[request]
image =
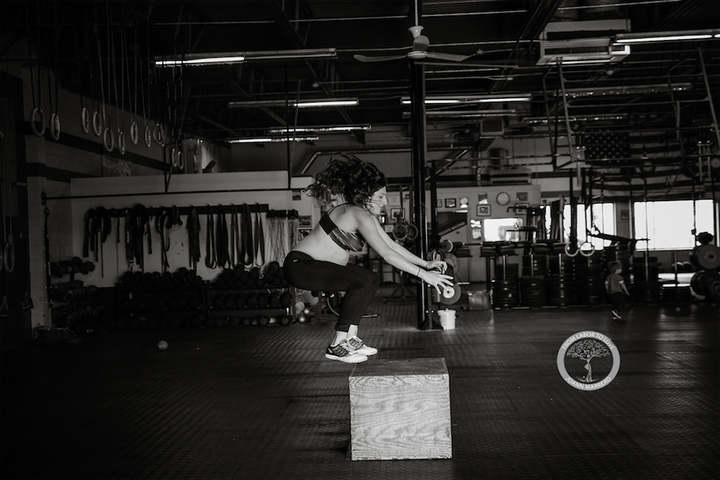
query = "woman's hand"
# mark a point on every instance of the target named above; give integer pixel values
(437, 265)
(438, 280)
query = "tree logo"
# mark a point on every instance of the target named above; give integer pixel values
(586, 347)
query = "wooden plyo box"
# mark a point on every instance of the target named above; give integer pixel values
(400, 409)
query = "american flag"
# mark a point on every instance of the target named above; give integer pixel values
(607, 145)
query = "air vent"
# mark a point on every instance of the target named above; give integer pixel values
(583, 42)
(586, 50)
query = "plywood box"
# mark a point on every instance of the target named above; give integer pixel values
(400, 409)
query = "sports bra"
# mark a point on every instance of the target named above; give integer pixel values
(350, 241)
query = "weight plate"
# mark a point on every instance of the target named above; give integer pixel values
(712, 287)
(706, 257)
(450, 295)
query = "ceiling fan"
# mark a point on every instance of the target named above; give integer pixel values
(419, 51)
(419, 48)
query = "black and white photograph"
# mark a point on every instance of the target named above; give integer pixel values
(366, 240)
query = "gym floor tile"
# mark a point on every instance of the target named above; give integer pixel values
(264, 403)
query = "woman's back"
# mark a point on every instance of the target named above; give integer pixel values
(324, 242)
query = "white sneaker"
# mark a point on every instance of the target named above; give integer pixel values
(343, 352)
(359, 346)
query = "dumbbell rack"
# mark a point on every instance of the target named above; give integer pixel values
(70, 300)
(250, 298)
(148, 300)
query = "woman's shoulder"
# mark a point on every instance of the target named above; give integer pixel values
(353, 213)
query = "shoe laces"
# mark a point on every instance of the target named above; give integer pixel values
(355, 342)
(342, 349)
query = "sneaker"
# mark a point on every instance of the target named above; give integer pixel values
(616, 315)
(343, 352)
(359, 346)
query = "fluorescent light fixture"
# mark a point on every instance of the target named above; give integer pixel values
(575, 119)
(466, 113)
(335, 128)
(658, 37)
(320, 103)
(272, 139)
(624, 90)
(199, 61)
(229, 58)
(300, 54)
(469, 99)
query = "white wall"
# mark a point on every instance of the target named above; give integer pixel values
(232, 188)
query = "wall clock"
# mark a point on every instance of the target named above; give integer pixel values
(503, 198)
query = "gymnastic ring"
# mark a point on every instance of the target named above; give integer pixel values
(108, 140)
(134, 132)
(85, 120)
(41, 118)
(148, 137)
(412, 231)
(97, 123)
(181, 160)
(592, 249)
(9, 257)
(159, 134)
(121, 142)
(567, 251)
(399, 232)
(55, 126)
(173, 157)
(436, 255)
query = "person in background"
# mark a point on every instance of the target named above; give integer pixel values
(320, 260)
(616, 289)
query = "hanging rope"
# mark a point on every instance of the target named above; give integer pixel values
(112, 62)
(100, 116)
(121, 103)
(133, 123)
(37, 116)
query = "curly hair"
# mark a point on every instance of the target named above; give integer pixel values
(350, 177)
(614, 266)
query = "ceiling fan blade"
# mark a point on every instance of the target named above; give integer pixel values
(450, 57)
(387, 58)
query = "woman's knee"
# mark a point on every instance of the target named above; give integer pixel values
(368, 281)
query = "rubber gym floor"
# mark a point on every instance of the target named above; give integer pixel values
(263, 402)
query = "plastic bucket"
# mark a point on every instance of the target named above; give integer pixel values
(447, 319)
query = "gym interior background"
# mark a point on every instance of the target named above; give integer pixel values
(527, 142)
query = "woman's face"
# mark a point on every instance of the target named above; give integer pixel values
(377, 202)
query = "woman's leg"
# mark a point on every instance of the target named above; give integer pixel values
(358, 283)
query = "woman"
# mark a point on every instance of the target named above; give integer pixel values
(320, 261)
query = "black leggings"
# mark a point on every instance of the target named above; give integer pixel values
(359, 284)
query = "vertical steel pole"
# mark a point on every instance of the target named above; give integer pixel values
(419, 154)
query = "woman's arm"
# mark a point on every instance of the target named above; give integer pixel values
(408, 255)
(370, 229)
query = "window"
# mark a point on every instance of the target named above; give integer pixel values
(503, 230)
(603, 218)
(669, 225)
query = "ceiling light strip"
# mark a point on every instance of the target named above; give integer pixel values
(319, 129)
(470, 99)
(271, 139)
(624, 90)
(659, 37)
(319, 103)
(230, 58)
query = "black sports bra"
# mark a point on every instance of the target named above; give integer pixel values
(350, 241)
